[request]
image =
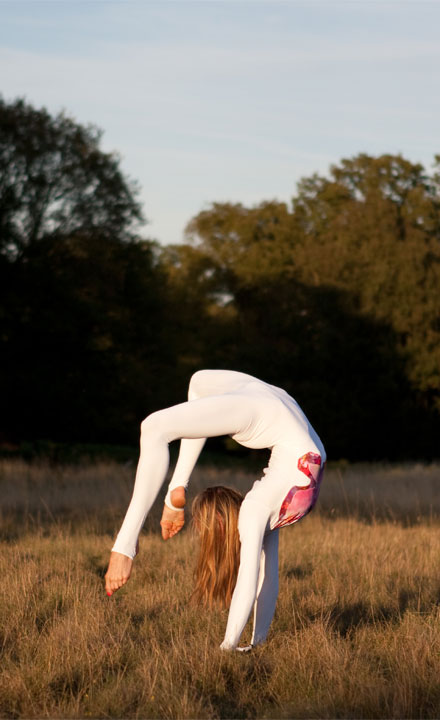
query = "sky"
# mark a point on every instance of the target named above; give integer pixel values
(230, 100)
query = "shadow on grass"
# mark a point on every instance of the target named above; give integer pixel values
(298, 572)
(346, 619)
(230, 703)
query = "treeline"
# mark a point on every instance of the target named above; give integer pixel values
(335, 298)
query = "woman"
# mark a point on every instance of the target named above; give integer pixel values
(257, 415)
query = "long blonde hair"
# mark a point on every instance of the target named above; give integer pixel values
(215, 520)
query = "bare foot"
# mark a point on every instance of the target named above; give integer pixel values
(118, 573)
(173, 520)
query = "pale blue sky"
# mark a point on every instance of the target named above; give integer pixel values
(230, 100)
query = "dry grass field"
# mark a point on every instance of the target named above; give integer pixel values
(356, 632)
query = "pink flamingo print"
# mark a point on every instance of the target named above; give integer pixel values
(300, 500)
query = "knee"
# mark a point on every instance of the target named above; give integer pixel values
(194, 385)
(152, 425)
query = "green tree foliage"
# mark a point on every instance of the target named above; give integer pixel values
(375, 228)
(55, 180)
(337, 299)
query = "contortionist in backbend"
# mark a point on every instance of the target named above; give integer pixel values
(256, 415)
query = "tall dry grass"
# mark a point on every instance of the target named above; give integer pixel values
(356, 632)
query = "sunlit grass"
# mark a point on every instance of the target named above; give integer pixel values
(356, 632)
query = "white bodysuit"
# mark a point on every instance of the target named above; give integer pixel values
(256, 415)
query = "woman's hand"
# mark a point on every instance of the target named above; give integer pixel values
(173, 520)
(118, 573)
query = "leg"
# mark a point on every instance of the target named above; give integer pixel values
(267, 592)
(204, 383)
(207, 417)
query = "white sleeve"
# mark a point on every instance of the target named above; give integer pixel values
(252, 525)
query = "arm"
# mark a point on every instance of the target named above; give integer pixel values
(252, 525)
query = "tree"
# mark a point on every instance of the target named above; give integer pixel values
(374, 230)
(55, 180)
(339, 297)
(82, 312)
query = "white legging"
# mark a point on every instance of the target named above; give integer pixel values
(257, 415)
(197, 420)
